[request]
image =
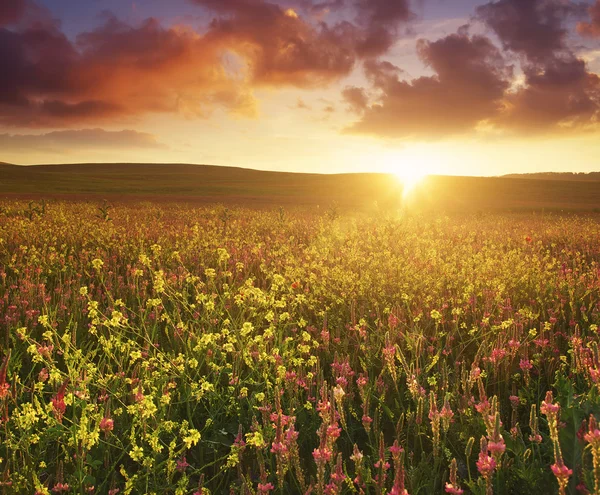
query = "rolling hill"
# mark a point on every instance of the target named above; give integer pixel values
(205, 184)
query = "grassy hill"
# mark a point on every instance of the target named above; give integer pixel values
(228, 185)
(591, 176)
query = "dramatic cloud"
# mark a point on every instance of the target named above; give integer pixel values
(591, 28)
(474, 86)
(563, 96)
(278, 46)
(119, 71)
(380, 19)
(470, 82)
(532, 28)
(559, 93)
(283, 47)
(85, 140)
(114, 71)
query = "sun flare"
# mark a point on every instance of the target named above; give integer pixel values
(410, 179)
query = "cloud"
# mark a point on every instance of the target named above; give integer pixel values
(535, 29)
(117, 72)
(357, 99)
(11, 11)
(78, 140)
(591, 28)
(301, 105)
(470, 80)
(280, 47)
(562, 96)
(381, 19)
(559, 93)
(474, 88)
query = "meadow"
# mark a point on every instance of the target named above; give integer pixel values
(180, 349)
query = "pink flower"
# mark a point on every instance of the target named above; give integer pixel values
(265, 487)
(43, 375)
(106, 424)
(60, 487)
(548, 408)
(182, 464)
(58, 402)
(333, 431)
(497, 448)
(278, 448)
(525, 364)
(454, 490)
(486, 464)
(395, 449)
(322, 455)
(561, 471)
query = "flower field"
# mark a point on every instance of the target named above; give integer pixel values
(180, 350)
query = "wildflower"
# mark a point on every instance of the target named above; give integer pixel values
(265, 487)
(497, 448)
(398, 457)
(97, 264)
(533, 424)
(452, 486)
(58, 402)
(255, 439)
(333, 431)
(435, 419)
(560, 470)
(192, 438)
(136, 453)
(43, 375)
(548, 408)
(182, 464)
(593, 438)
(446, 415)
(106, 424)
(60, 487)
(485, 464)
(322, 455)
(4, 387)
(562, 473)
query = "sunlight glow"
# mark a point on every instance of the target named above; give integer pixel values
(410, 179)
(413, 164)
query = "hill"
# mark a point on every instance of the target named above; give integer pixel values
(591, 176)
(228, 185)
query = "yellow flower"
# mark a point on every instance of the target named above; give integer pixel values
(246, 329)
(192, 438)
(136, 453)
(97, 264)
(255, 439)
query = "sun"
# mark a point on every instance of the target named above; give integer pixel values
(410, 179)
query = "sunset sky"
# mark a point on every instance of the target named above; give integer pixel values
(460, 87)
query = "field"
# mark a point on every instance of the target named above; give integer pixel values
(206, 185)
(190, 349)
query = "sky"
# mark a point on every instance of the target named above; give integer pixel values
(456, 87)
